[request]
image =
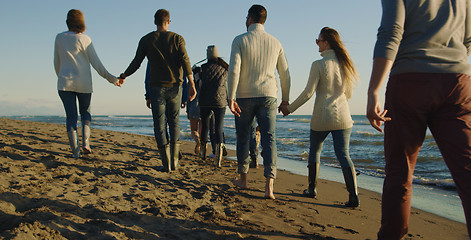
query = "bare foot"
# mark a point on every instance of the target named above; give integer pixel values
(269, 188)
(241, 182)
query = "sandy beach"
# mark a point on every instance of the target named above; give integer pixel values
(117, 193)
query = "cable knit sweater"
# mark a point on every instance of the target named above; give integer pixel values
(73, 54)
(255, 56)
(331, 110)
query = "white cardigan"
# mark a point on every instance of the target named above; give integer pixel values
(255, 56)
(73, 54)
(331, 110)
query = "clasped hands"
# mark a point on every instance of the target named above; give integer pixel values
(283, 108)
(120, 79)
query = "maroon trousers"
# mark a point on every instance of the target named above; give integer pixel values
(414, 101)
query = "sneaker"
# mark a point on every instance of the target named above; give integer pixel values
(212, 155)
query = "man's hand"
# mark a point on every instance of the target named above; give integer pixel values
(282, 105)
(374, 114)
(183, 105)
(148, 104)
(234, 107)
(284, 110)
(191, 92)
(379, 74)
(191, 88)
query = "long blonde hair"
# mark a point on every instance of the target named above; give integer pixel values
(347, 69)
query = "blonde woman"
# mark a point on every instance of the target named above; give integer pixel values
(332, 78)
(73, 55)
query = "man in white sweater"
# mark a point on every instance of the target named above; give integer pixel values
(251, 79)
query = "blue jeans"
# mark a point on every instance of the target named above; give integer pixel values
(165, 102)
(264, 108)
(69, 100)
(341, 145)
(253, 144)
(218, 113)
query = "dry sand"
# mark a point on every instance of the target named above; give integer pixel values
(117, 193)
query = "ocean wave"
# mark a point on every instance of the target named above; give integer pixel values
(446, 184)
(285, 120)
(369, 134)
(126, 117)
(361, 122)
(294, 141)
(303, 120)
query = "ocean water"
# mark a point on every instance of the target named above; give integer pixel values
(434, 190)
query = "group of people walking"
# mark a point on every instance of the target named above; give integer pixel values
(429, 86)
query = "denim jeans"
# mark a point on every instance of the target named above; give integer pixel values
(218, 113)
(69, 100)
(341, 145)
(253, 145)
(165, 102)
(264, 109)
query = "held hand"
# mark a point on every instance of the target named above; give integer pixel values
(120, 82)
(148, 104)
(284, 110)
(234, 107)
(183, 105)
(117, 83)
(191, 92)
(121, 78)
(374, 114)
(283, 103)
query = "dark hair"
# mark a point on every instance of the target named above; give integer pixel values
(347, 68)
(75, 21)
(258, 13)
(161, 16)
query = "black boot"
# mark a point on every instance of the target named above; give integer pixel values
(174, 155)
(313, 172)
(203, 150)
(165, 157)
(350, 177)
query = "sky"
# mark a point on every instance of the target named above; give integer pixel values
(29, 27)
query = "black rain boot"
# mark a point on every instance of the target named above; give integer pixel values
(174, 154)
(253, 162)
(203, 150)
(313, 172)
(165, 157)
(349, 175)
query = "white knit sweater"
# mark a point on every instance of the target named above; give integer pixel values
(331, 110)
(73, 54)
(255, 57)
